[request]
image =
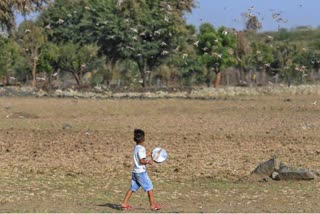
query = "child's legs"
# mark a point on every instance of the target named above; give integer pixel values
(133, 188)
(146, 184)
(144, 181)
(127, 198)
(151, 198)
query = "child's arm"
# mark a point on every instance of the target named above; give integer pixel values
(146, 161)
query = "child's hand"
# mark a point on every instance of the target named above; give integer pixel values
(150, 162)
(149, 154)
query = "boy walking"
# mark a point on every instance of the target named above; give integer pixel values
(140, 177)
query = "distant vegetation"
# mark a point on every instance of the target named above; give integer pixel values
(137, 44)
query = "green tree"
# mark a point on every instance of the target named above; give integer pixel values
(260, 57)
(185, 63)
(49, 59)
(9, 53)
(286, 53)
(78, 60)
(143, 31)
(31, 39)
(216, 48)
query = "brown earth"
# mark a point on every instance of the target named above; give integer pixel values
(211, 146)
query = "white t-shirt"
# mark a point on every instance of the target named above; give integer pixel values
(139, 153)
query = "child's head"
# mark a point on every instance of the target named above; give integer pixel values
(138, 136)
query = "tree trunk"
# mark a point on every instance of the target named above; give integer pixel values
(49, 76)
(106, 78)
(34, 71)
(77, 77)
(237, 76)
(149, 78)
(144, 77)
(7, 82)
(228, 78)
(217, 79)
(312, 76)
(263, 77)
(276, 78)
(241, 76)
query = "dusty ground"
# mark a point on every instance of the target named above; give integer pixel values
(211, 145)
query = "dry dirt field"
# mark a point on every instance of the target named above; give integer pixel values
(211, 145)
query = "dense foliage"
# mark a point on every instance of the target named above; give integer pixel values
(140, 43)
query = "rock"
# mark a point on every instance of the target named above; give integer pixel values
(279, 171)
(275, 176)
(66, 126)
(295, 174)
(268, 167)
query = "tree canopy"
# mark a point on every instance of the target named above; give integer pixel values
(134, 42)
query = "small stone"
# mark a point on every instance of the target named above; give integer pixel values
(275, 176)
(66, 126)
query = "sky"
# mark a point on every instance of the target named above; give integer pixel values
(228, 13)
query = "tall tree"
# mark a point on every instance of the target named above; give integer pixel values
(285, 53)
(9, 52)
(78, 59)
(31, 38)
(260, 58)
(144, 31)
(242, 52)
(216, 48)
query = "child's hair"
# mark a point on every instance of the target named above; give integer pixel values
(138, 135)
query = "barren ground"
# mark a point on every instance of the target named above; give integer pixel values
(211, 145)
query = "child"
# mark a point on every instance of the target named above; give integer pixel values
(140, 177)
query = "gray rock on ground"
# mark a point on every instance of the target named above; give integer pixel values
(279, 171)
(268, 167)
(295, 174)
(66, 126)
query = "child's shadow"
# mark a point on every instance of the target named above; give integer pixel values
(112, 206)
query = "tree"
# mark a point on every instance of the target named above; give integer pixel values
(49, 59)
(9, 53)
(286, 54)
(31, 39)
(185, 63)
(143, 31)
(243, 50)
(79, 60)
(69, 21)
(150, 32)
(9, 8)
(260, 57)
(216, 48)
